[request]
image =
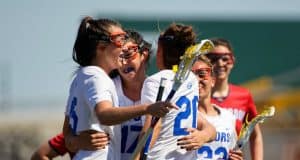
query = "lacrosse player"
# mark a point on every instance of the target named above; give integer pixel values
(234, 98)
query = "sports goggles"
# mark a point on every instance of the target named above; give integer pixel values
(129, 53)
(118, 38)
(215, 57)
(203, 73)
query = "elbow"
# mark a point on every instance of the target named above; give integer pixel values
(106, 121)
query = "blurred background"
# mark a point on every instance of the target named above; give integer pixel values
(36, 40)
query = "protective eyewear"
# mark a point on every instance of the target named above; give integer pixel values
(129, 53)
(203, 73)
(215, 57)
(118, 38)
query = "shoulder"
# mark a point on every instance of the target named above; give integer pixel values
(91, 70)
(94, 73)
(167, 74)
(224, 112)
(239, 89)
(163, 73)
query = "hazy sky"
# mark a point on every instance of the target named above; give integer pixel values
(36, 36)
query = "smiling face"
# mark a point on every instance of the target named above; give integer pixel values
(203, 72)
(222, 60)
(132, 62)
(111, 50)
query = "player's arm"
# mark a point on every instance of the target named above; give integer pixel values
(87, 140)
(44, 152)
(256, 144)
(67, 132)
(256, 139)
(105, 111)
(53, 148)
(204, 133)
(235, 155)
(99, 99)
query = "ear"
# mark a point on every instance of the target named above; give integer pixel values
(213, 81)
(145, 55)
(101, 46)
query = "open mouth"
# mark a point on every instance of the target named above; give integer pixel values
(220, 70)
(128, 69)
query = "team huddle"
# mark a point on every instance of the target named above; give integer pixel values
(112, 101)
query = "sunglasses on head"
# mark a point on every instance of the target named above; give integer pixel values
(215, 57)
(203, 73)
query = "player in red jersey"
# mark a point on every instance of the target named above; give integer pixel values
(232, 97)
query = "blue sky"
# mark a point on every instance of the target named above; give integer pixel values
(37, 36)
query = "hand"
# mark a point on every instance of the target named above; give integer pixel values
(160, 109)
(192, 141)
(236, 155)
(92, 140)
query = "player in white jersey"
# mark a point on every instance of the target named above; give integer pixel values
(221, 119)
(92, 103)
(226, 138)
(129, 84)
(171, 45)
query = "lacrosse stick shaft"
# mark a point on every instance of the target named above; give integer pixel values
(145, 140)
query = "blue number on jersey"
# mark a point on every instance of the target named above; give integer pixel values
(73, 115)
(124, 136)
(190, 109)
(220, 151)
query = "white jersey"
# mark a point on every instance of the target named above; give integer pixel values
(226, 136)
(90, 86)
(130, 129)
(176, 121)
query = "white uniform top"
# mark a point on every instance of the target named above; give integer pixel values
(175, 122)
(130, 129)
(226, 136)
(90, 86)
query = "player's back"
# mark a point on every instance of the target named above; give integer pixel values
(176, 121)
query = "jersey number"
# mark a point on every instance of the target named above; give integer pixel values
(73, 115)
(221, 151)
(191, 108)
(125, 130)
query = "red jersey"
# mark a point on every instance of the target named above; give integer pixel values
(57, 143)
(240, 102)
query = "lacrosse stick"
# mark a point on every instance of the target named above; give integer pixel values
(184, 68)
(248, 127)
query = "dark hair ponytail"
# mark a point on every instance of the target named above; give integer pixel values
(90, 33)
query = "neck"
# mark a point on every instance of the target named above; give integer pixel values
(221, 88)
(102, 63)
(133, 90)
(206, 107)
